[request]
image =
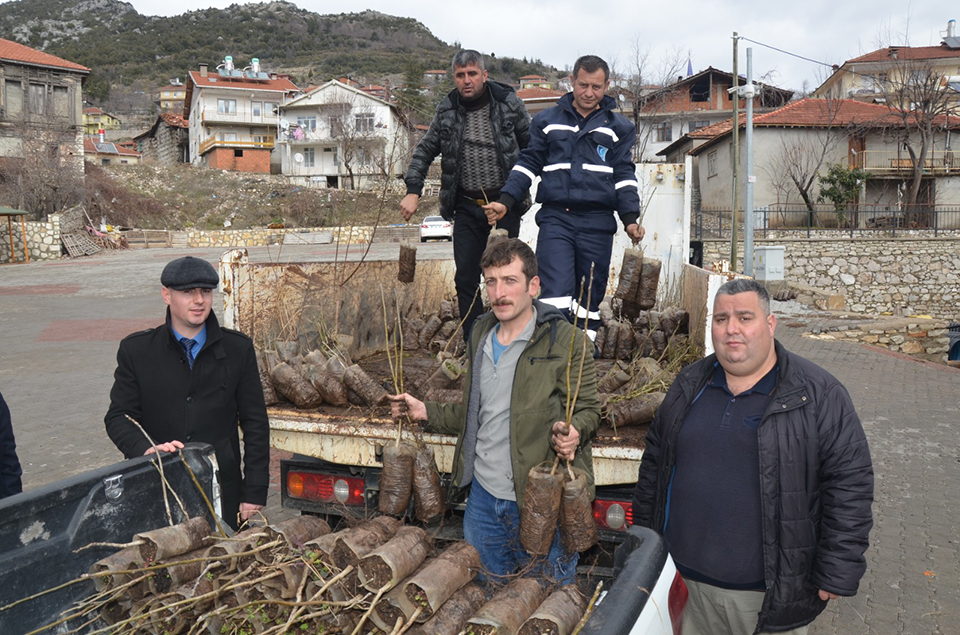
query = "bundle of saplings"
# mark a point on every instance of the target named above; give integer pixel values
(297, 576)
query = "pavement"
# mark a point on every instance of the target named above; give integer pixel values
(60, 324)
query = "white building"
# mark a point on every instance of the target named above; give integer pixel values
(233, 116)
(339, 136)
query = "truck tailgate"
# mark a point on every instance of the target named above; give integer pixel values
(355, 440)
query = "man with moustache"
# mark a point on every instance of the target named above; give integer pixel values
(511, 417)
(479, 129)
(757, 472)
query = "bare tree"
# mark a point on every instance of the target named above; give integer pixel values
(803, 153)
(48, 176)
(645, 76)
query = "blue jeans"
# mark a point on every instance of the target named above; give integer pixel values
(492, 526)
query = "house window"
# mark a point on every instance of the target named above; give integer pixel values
(37, 99)
(307, 123)
(712, 164)
(257, 108)
(61, 102)
(237, 153)
(874, 83)
(104, 161)
(270, 108)
(229, 136)
(663, 132)
(696, 125)
(330, 157)
(364, 123)
(309, 158)
(13, 98)
(227, 106)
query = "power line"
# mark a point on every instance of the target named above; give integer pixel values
(779, 50)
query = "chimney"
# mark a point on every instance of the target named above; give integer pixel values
(894, 52)
(203, 70)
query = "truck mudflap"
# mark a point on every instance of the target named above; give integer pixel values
(41, 529)
(647, 596)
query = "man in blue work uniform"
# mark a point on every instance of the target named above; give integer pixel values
(583, 152)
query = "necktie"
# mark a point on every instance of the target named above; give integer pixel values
(187, 345)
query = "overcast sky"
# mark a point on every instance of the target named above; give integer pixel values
(558, 31)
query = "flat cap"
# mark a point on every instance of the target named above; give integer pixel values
(189, 273)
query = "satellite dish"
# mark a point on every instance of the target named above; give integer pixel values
(298, 157)
(284, 124)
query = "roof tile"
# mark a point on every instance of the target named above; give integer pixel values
(15, 52)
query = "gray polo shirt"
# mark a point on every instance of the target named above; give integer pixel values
(494, 465)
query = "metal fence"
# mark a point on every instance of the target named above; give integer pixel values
(864, 220)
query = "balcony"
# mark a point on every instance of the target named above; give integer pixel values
(222, 140)
(885, 162)
(242, 116)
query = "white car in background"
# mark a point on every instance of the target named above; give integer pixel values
(436, 227)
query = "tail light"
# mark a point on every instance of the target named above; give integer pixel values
(677, 602)
(615, 515)
(344, 490)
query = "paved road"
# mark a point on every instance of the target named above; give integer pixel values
(60, 323)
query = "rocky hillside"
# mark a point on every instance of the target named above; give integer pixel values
(126, 49)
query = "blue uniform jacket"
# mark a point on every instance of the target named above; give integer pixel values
(584, 164)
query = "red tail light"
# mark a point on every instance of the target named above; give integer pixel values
(677, 602)
(345, 490)
(615, 515)
(424, 226)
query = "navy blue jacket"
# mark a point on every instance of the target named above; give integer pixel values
(584, 164)
(816, 485)
(9, 463)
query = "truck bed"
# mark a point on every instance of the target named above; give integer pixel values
(41, 529)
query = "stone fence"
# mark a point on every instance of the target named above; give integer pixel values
(43, 239)
(915, 275)
(918, 337)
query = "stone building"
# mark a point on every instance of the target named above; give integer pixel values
(167, 142)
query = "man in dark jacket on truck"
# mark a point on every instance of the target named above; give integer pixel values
(191, 380)
(513, 407)
(758, 474)
(582, 150)
(479, 129)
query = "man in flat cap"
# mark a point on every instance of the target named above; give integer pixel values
(191, 380)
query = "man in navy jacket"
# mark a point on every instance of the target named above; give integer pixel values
(582, 150)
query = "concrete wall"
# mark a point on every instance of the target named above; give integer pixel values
(916, 274)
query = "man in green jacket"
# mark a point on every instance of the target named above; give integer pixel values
(513, 410)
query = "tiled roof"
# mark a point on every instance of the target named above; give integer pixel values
(175, 120)
(534, 77)
(14, 52)
(907, 53)
(93, 111)
(91, 146)
(536, 92)
(213, 80)
(808, 113)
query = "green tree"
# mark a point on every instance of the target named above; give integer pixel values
(410, 101)
(841, 186)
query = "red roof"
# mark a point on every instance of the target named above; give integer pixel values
(537, 92)
(534, 77)
(809, 113)
(90, 146)
(14, 52)
(175, 120)
(213, 80)
(907, 53)
(94, 111)
(172, 87)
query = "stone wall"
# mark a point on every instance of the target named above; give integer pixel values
(926, 339)
(262, 236)
(915, 273)
(43, 239)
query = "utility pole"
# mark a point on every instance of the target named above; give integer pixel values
(749, 91)
(735, 90)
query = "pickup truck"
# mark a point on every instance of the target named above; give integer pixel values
(41, 529)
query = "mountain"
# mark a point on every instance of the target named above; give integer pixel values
(126, 49)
